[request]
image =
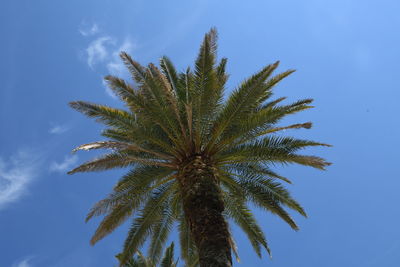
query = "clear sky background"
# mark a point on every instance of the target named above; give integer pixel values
(347, 56)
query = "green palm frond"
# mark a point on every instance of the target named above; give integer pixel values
(125, 200)
(221, 75)
(121, 146)
(171, 74)
(206, 93)
(188, 250)
(242, 102)
(106, 205)
(168, 259)
(266, 198)
(139, 260)
(119, 135)
(161, 231)
(273, 150)
(121, 88)
(269, 189)
(106, 162)
(256, 169)
(152, 101)
(143, 225)
(134, 262)
(115, 218)
(142, 176)
(256, 124)
(106, 115)
(238, 211)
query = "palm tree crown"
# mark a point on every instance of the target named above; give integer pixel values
(194, 158)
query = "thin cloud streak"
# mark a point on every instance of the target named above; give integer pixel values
(88, 31)
(15, 175)
(58, 129)
(115, 66)
(106, 50)
(65, 165)
(97, 51)
(109, 92)
(23, 263)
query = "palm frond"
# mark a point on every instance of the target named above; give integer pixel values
(103, 114)
(256, 169)
(132, 189)
(142, 175)
(206, 93)
(237, 210)
(105, 162)
(188, 250)
(161, 231)
(171, 74)
(144, 223)
(273, 150)
(242, 101)
(121, 88)
(306, 125)
(120, 146)
(168, 259)
(152, 101)
(222, 77)
(106, 205)
(269, 189)
(115, 218)
(262, 197)
(234, 247)
(256, 124)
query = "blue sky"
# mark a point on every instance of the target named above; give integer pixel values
(347, 57)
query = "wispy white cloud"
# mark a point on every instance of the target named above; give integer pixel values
(58, 129)
(115, 66)
(65, 165)
(97, 51)
(87, 30)
(16, 174)
(23, 263)
(109, 92)
(104, 51)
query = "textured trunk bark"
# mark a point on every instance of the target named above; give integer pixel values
(203, 207)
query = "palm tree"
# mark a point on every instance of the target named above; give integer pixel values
(142, 261)
(195, 159)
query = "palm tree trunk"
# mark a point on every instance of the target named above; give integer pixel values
(203, 207)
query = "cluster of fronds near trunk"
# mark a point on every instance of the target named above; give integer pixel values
(140, 260)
